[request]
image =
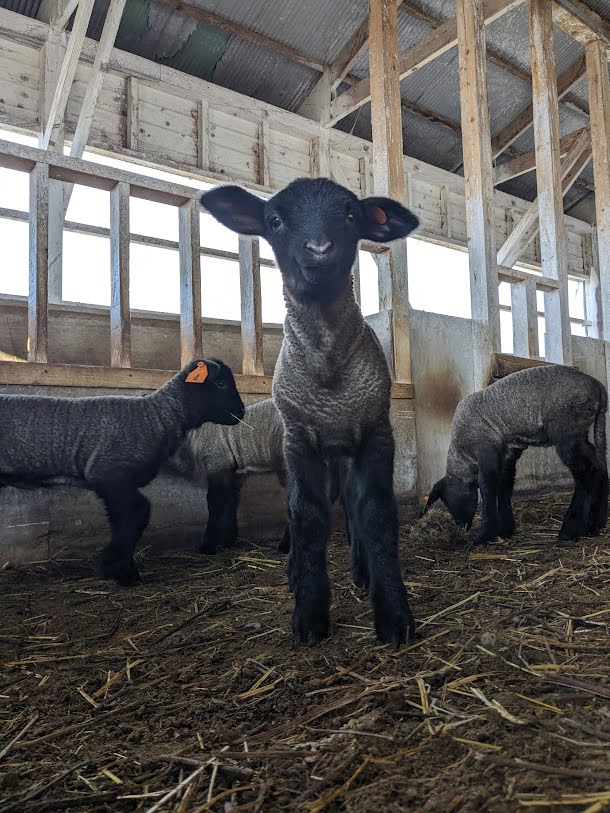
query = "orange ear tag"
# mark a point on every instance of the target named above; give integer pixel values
(198, 375)
(426, 498)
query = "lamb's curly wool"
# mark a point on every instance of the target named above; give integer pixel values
(112, 445)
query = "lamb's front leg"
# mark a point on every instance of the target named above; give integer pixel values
(223, 501)
(309, 531)
(489, 480)
(374, 528)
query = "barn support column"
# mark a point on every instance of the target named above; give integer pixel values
(478, 175)
(558, 341)
(389, 174)
(599, 105)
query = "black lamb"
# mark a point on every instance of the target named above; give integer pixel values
(541, 406)
(112, 445)
(332, 387)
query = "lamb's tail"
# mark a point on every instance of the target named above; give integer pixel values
(599, 429)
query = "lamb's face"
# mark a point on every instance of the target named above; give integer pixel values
(313, 226)
(460, 498)
(216, 400)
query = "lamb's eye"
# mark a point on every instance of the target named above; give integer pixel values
(222, 385)
(350, 217)
(275, 222)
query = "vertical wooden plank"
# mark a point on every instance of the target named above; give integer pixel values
(478, 174)
(389, 176)
(251, 305)
(364, 176)
(558, 341)
(191, 345)
(356, 278)
(320, 156)
(120, 319)
(525, 318)
(39, 263)
(133, 113)
(599, 105)
(264, 174)
(203, 134)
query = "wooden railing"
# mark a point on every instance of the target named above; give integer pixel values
(43, 167)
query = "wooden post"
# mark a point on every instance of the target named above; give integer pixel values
(203, 134)
(191, 340)
(320, 156)
(478, 174)
(599, 105)
(251, 305)
(264, 176)
(389, 173)
(524, 311)
(120, 321)
(39, 263)
(558, 341)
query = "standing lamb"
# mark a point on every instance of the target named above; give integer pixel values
(541, 406)
(332, 387)
(112, 445)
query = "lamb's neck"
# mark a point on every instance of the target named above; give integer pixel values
(318, 327)
(168, 407)
(461, 465)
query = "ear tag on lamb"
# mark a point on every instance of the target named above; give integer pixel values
(378, 215)
(198, 375)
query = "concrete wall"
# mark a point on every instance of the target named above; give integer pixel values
(442, 349)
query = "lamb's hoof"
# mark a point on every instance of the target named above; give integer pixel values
(484, 537)
(126, 574)
(208, 547)
(394, 625)
(308, 627)
(506, 531)
(569, 535)
(360, 578)
(284, 545)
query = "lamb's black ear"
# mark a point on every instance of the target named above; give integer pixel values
(214, 369)
(437, 493)
(236, 209)
(384, 220)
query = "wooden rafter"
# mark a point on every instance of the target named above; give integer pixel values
(215, 20)
(527, 161)
(420, 54)
(573, 163)
(581, 22)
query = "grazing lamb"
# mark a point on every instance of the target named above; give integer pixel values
(112, 445)
(541, 406)
(332, 387)
(219, 457)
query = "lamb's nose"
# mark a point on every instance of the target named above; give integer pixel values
(318, 247)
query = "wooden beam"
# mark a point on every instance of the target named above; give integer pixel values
(389, 174)
(67, 72)
(599, 103)
(264, 173)
(526, 162)
(38, 301)
(480, 215)
(558, 340)
(420, 54)
(120, 319)
(524, 312)
(505, 364)
(63, 18)
(516, 275)
(320, 156)
(17, 373)
(435, 22)
(96, 80)
(190, 282)
(521, 123)
(251, 305)
(203, 134)
(527, 228)
(581, 22)
(215, 20)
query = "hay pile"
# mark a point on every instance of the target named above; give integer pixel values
(437, 529)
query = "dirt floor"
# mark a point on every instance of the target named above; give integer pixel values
(185, 694)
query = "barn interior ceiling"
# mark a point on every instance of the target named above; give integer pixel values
(276, 51)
